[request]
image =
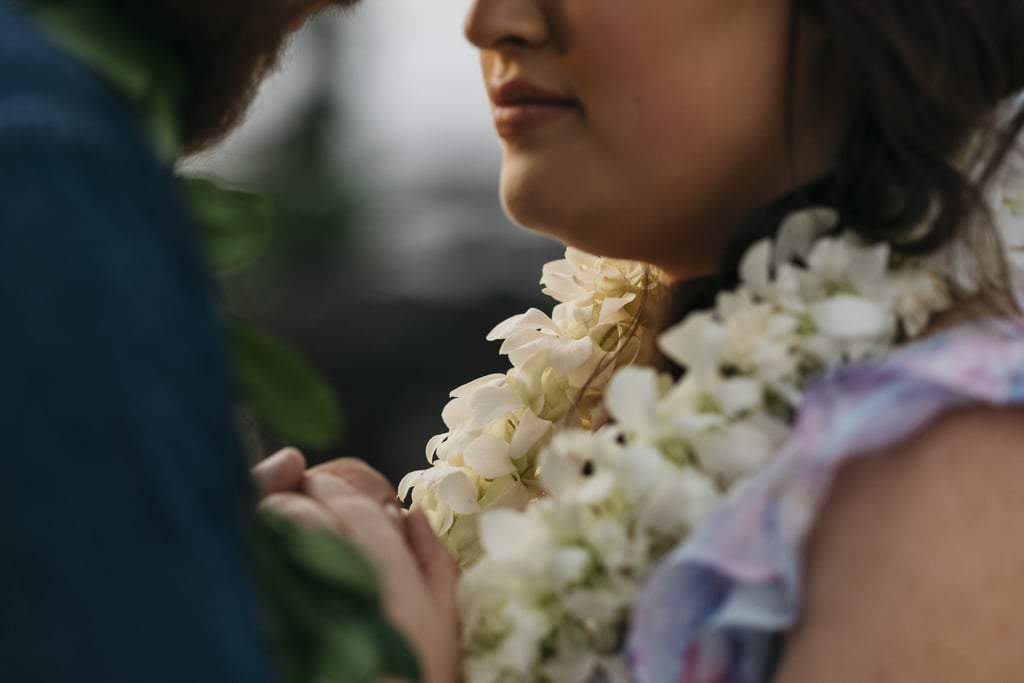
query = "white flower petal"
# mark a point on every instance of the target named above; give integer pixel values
(510, 535)
(524, 355)
(455, 412)
(568, 566)
(597, 606)
(560, 468)
(830, 258)
(798, 232)
(596, 488)
(458, 492)
(739, 395)
(494, 379)
(407, 483)
(461, 537)
(695, 343)
(532, 319)
(520, 649)
(631, 398)
(565, 355)
(868, 269)
(488, 404)
(848, 318)
(506, 492)
(689, 424)
(441, 518)
(519, 340)
(489, 457)
(740, 448)
(435, 443)
(612, 309)
(639, 470)
(681, 501)
(450, 449)
(755, 269)
(529, 432)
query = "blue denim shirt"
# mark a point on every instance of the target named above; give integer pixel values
(122, 482)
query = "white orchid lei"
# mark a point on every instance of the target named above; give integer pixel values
(499, 424)
(559, 533)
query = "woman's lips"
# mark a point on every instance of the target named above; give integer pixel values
(515, 120)
(521, 107)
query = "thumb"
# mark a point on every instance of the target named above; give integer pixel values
(281, 472)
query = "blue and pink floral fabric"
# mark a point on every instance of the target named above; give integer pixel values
(714, 608)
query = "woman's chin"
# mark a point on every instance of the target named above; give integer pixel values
(586, 237)
(542, 207)
(531, 210)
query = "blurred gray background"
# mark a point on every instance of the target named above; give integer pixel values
(392, 258)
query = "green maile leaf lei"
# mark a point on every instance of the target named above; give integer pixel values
(321, 598)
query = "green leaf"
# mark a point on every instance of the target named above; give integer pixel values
(160, 121)
(283, 391)
(324, 559)
(236, 225)
(351, 653)
(399, 660)
(323, 605)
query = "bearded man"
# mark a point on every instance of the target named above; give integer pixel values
(121, 523)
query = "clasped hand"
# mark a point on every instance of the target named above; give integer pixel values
(418, 575)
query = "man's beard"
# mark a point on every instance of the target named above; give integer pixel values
(226, 48)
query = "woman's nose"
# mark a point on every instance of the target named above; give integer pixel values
(506, 24)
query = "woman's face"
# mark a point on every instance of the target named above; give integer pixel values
(646, 129)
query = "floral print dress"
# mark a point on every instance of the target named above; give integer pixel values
(717, 606)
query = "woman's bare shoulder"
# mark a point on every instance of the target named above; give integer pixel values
(915, 570)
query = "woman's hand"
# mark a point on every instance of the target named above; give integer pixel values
(417, 573)
(360, 477)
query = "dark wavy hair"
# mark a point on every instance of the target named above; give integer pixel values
(923, 79)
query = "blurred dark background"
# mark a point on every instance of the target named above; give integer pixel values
(391, 259)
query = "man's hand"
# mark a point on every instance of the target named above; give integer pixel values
(417, 572)
(285, 471)
(281, 472)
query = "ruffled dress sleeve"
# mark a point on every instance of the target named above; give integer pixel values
(715, 607)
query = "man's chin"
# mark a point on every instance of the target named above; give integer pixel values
(224, 90)
(242, 61)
